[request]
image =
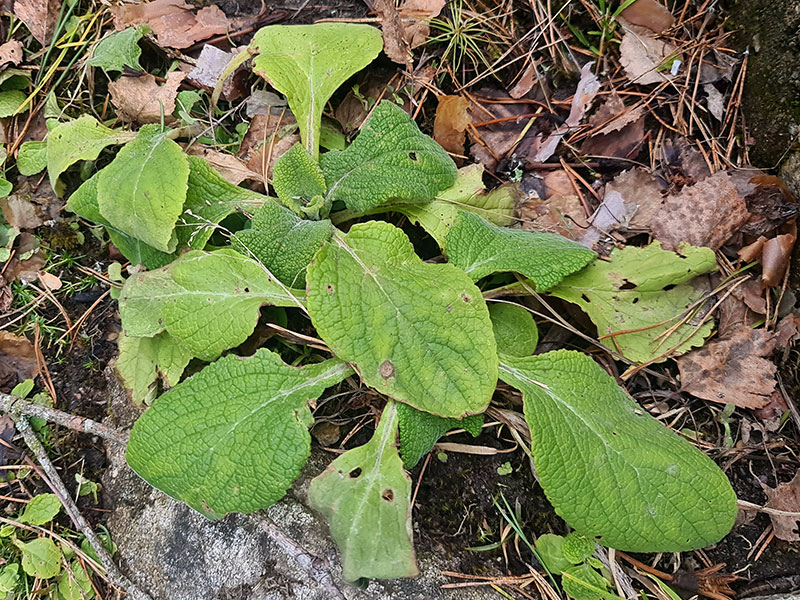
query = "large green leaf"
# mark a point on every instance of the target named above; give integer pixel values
(40, 558)
(142, 191)
(283, 242)
(144, 360)
(419, 431)
(417, 332)
(233, 437)
(390, 160)
(119, 50)
(208, 302)
(643, 292)
(610, 469)
(307, 63)
(81, 139)
(480, 249)
(366, 497)
(10, 101)
(298, 180)
(83, 202)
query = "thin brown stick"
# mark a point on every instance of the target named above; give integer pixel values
(17, 408)
(113, 573)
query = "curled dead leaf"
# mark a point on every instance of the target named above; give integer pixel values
(451, 122)
(395, 45)
(39, 16)
(775, 259)
(231, 168)
(210, 65)
(415, 15)
(268, 137)
(142, 100)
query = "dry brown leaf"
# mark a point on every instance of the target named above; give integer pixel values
(451, 122)
(10, 53)
(640, 188)
(231, 168)
(732, 370)
(415, 15)
(560, 211)
(650, 14)
(40, 16)
(645, 58)
(267, 138)
(525, 81)
(17, 360)
(172, 21)
(680, 156)
(775, 259)
(704, 214)
(50, 281)
(715, 101)
(395, 45)
(210, 65)
(31, 205)
(785, 497)
(6, 296)
(27, 260)
(142, 100)
(619, 129)
(735, 311)
(588, 86)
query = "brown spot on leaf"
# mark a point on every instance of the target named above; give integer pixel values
(386, 369)
(388, 495)
(465, 298)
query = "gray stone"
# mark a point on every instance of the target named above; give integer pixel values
(174, 553)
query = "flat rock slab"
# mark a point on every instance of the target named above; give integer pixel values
(174, 553)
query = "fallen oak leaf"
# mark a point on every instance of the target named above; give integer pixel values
(142, 100)
(786, 498)
(732, 370)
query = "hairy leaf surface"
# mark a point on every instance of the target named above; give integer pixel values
(233, 437)
(514, 329)
(283, 242)
(419, 431)
(297, 178)
(142, 191)
(81, 139)
(480, 249)
(208, 301)
(390, 160)
(365, 495)
(307, 63)
(411, 328)
(610, 469)
(32, 158)
(143, 360)
(643, 292)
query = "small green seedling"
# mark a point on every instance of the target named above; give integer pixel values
(235, 435)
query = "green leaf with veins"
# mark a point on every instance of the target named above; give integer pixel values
(549, 548)
(365, 495)
(209, 302)
(610, 469)
(390, 160)
(419, 431)
(283, 242)
(582, 582)
(41, 509)
(469, 193)
(411, 328)
(9, 577)
(643, 292)
(32, 158)
(307, 63)
(480, 249)
(10, 101)
(514, 329)
(298, 180)
(83, 202)
(143, 360)
(40, 558)
(75, 584)
(81, 139)
(142, 191)
(233, 437)
(119, 50)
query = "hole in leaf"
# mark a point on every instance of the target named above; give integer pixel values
(247, 290)
(585, 298)
(386, 369)
(412, 156)
(466, 298)
(667, 288)
(628, 285)
(329, 288)
(355, 473)
(635, 300)
(387, 495)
